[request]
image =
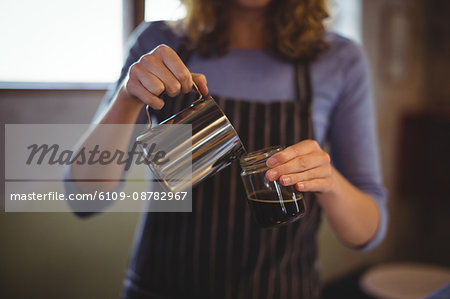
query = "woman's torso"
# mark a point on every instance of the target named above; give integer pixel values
(217, 251)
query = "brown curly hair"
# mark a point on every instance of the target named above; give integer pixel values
(296, 27)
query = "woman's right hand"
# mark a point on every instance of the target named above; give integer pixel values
(158, 71)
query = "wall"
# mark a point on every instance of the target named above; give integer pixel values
(57, 255)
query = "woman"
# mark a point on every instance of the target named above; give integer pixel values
(260, 57)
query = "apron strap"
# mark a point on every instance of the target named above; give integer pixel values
(304, 99)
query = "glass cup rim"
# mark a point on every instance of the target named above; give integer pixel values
(259, 156)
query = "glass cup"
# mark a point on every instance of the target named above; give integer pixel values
(271, 203)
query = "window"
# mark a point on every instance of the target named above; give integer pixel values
(163, 10)
(60, 41)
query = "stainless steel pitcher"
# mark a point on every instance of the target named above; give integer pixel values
(191, 158)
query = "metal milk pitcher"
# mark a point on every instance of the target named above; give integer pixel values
(190, 158)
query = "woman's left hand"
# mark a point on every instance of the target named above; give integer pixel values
(304, 165)
(353, 214)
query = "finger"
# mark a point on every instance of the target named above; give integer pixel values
(298, 164)
(176, 66)
(155, 66)
(138, 90)
(302, 148)
(316, 185)
(200, 80)
(315, 173)
(152, 83)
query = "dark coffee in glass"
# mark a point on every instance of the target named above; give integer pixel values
(269, 211)
(271, 203)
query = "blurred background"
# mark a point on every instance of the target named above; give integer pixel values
(60, 256)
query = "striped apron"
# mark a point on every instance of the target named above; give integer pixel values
(217, 250)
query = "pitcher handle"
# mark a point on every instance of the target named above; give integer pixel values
(147, 107)
(197, 89)
(149, 125)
